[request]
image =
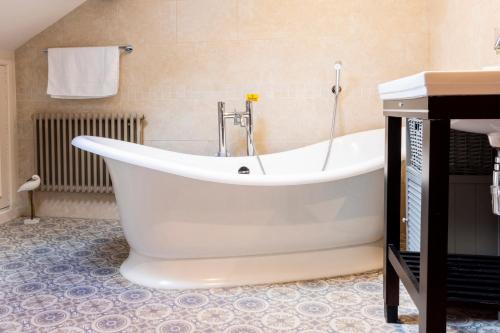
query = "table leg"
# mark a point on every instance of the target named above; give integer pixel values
(434, 228)
(392, 213)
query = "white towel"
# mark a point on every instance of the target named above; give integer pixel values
(83, 72)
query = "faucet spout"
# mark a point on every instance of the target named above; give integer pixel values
(497, 44)
(249, 127)
(222, 130)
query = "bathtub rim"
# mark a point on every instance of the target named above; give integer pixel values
(97, 145)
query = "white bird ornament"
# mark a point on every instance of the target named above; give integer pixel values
(31, 185)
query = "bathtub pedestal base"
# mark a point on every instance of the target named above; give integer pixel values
(234, 271)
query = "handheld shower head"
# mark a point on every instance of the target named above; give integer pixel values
(336, 88)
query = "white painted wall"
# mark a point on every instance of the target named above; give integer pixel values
(9, 139)
(5, 178)
(22, 19)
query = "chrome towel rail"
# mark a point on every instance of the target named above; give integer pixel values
(126, 48)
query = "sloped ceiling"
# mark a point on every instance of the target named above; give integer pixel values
(22, 19)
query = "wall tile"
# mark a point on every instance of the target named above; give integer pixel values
(147, 22)
(462, 34)
(207, 20)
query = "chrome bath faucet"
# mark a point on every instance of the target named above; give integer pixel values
(243, 119)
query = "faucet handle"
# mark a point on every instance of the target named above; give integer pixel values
(252, 97)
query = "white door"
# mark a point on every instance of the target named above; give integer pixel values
(4, 141)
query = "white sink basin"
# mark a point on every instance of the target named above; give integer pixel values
(491, 127)
(450, 83)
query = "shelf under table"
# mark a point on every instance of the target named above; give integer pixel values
(472, 280)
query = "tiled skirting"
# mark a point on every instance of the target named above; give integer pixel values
(62, 276)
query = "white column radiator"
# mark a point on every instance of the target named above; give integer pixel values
(64, 168)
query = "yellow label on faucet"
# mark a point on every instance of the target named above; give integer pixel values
(252, 97)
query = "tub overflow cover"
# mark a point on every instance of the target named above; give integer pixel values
(243, 170)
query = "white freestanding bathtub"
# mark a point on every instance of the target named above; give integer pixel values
(194, 222)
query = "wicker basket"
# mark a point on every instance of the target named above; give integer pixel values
(470, 153)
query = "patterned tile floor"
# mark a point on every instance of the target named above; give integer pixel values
(62, 276)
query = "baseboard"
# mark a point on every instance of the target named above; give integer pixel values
(9, 214)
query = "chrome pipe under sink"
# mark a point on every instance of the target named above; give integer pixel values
(495, 187)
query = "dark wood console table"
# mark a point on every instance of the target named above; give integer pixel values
(434, 279)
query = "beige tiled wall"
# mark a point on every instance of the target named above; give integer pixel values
(6, 55)
(462, 33)
(191, 53)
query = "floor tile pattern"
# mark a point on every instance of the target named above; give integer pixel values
(62, 275)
